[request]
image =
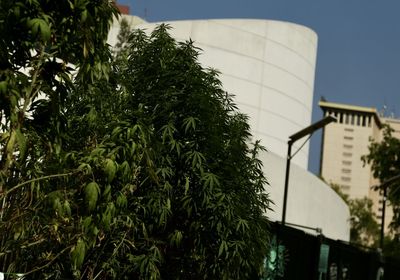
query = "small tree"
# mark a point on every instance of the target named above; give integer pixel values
(202, 192)
(364, 229)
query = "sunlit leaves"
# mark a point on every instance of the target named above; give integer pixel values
(122, 201)
(40, 27)
(92, 191)
(78, 254)
(110, 168)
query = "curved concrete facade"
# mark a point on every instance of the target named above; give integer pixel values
(310, 201)
(268, 65)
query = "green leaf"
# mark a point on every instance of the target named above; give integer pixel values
(21, 140)
(78, 254)
(242, 225)
(186, 185)
(40, 26)
(92, 116)
(176, 238)
(84, 15)
(223, 246)
(125, 170)
(189, 124)
(210, 180)
(87, 223)
(122, 202)
(67, 208)
(107, 193)
(110, 168)
(92, 192)
(85, 167)
(3, 86)
(108, 215)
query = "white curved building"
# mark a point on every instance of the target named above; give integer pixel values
(269, 66)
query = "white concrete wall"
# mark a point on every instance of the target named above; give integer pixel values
(115, 27)
(310, 201)
(268, 65)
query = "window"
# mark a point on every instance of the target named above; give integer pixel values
(345, 170)
(346, 162)
(346, 179)
(348, 137)
(347, 146)
(349, 129)
(347, 154)
(345, 187)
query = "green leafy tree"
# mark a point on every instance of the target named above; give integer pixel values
(384, 157)
(139, 168)
(42, 43)
(364, 228)
(391, 246)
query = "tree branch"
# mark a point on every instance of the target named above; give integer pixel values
(49, 263)
(34, 180)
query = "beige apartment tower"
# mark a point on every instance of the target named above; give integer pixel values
(343, 145)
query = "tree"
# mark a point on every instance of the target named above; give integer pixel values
(364, 229)
(384, 157)
(144, 171)
(41, 41)
(46, 47)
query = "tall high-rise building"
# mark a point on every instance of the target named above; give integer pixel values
(343, 145)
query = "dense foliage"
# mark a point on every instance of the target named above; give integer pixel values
(137, 166)
(364, 229)
(384, 157)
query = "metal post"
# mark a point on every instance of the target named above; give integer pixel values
(383, 217)
(293, 138)
(289, 157)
